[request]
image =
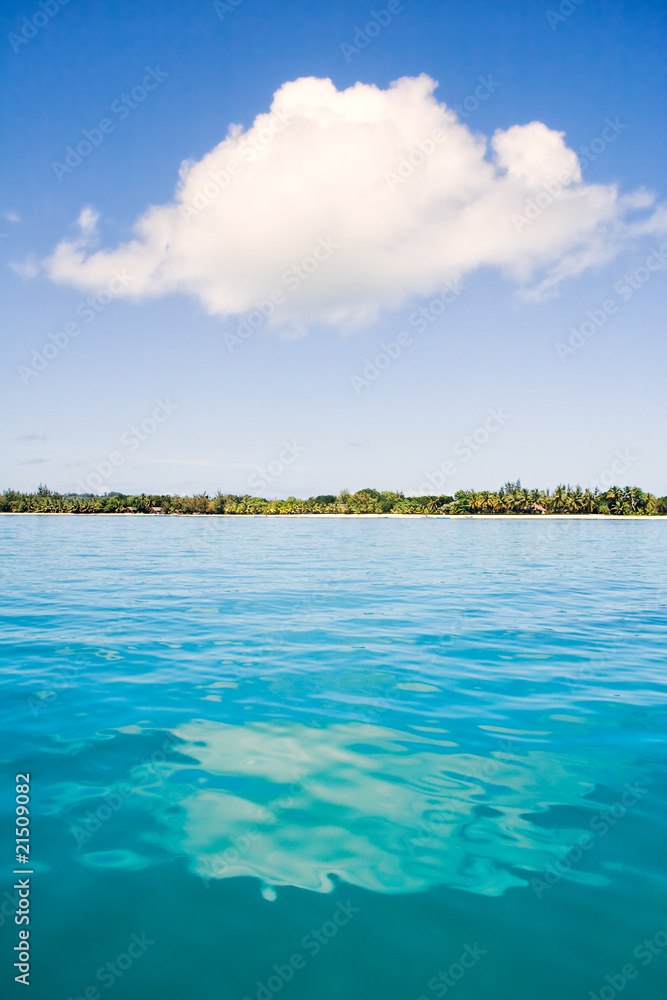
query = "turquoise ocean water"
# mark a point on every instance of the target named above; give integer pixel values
(327, 759)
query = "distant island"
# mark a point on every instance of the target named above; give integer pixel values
(512, 498)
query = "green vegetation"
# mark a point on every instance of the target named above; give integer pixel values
(512, 498)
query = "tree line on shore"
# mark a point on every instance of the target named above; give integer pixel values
(512, 498)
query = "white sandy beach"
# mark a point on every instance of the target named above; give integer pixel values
(443, 517)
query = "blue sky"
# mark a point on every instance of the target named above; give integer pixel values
(500, 382)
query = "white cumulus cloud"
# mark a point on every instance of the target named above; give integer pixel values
(342, 203)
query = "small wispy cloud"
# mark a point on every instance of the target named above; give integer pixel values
(27, 268)
(184, 461)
